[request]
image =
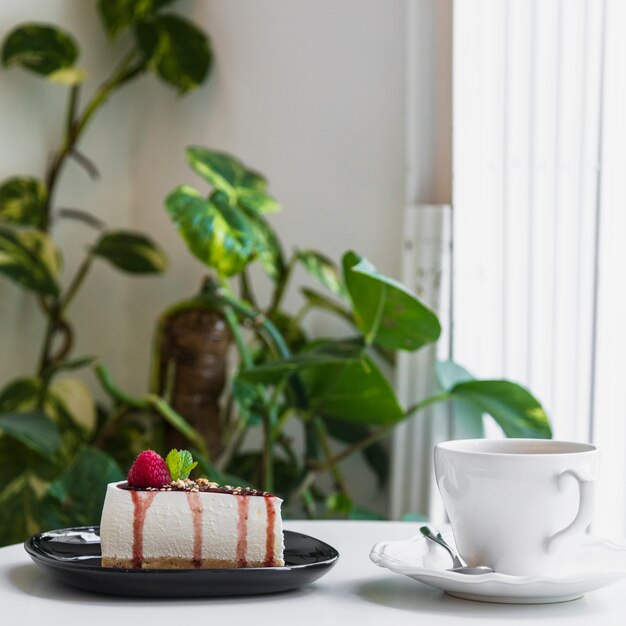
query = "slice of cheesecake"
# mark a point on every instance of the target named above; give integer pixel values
(187, 524)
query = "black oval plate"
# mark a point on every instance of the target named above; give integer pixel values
(72, 555)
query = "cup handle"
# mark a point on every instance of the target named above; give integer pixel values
(583, 517)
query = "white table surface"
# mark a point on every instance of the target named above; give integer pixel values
(355, 592)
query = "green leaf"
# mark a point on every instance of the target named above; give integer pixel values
(222, 170)
(514, 408)
(322, 269)
(319, 300)
(34, 429)
(273, 372)
(215, 233)
(131, 252)
(387, 313)
(15, 500)
(249, 400)
(338, 503)
(29, 258)
(22, 201)
(68, 76)
(257, 200)
(468, 417)
(354, 390)
(180, 463)
(176, 50)
(253, 181)
(266, 248)
(76, 497)
(375, 454)
(40, 48)
(75, 364)
(119, 14)
(20, 395)
(73, 397)
(243, 186)
(291, 330)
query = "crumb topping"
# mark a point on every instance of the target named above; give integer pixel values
(200, 485)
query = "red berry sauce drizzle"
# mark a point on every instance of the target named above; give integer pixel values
(269, 533)
(139, 517)
(195, 506)
(242, 530)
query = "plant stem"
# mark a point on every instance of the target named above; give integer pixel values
(151, 402)
(305, 483)
(381, 432)
(246, 288)
(76, 283)
(108, 428)
(75, 129)
(338, 478)
(246, 357)
(281, 287)
(258, 320)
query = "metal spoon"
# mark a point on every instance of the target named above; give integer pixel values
(457, 564)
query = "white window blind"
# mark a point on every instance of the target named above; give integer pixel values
(539, 162)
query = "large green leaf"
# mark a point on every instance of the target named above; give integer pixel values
(29, 258)
(119, 14)
(177, 51)
(131, 252)
(514, 408)
(43, 49)
(387, 313)
(375, 454)
(22, 200)
(354, 390)
(468, 417)
(322, 269)
(33, 429)
(75, 498)
(214, 231)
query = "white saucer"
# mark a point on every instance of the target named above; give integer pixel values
(599, 563)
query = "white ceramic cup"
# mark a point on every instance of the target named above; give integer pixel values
(519, 506)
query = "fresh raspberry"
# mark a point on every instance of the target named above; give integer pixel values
(149, 470)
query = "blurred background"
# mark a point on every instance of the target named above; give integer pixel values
(471, 149)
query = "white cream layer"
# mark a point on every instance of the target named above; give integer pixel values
(168, 528)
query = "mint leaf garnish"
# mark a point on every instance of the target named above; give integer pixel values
(180, 463)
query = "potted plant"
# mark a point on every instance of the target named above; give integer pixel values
(333, 388)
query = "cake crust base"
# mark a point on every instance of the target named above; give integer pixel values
(178, 563)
